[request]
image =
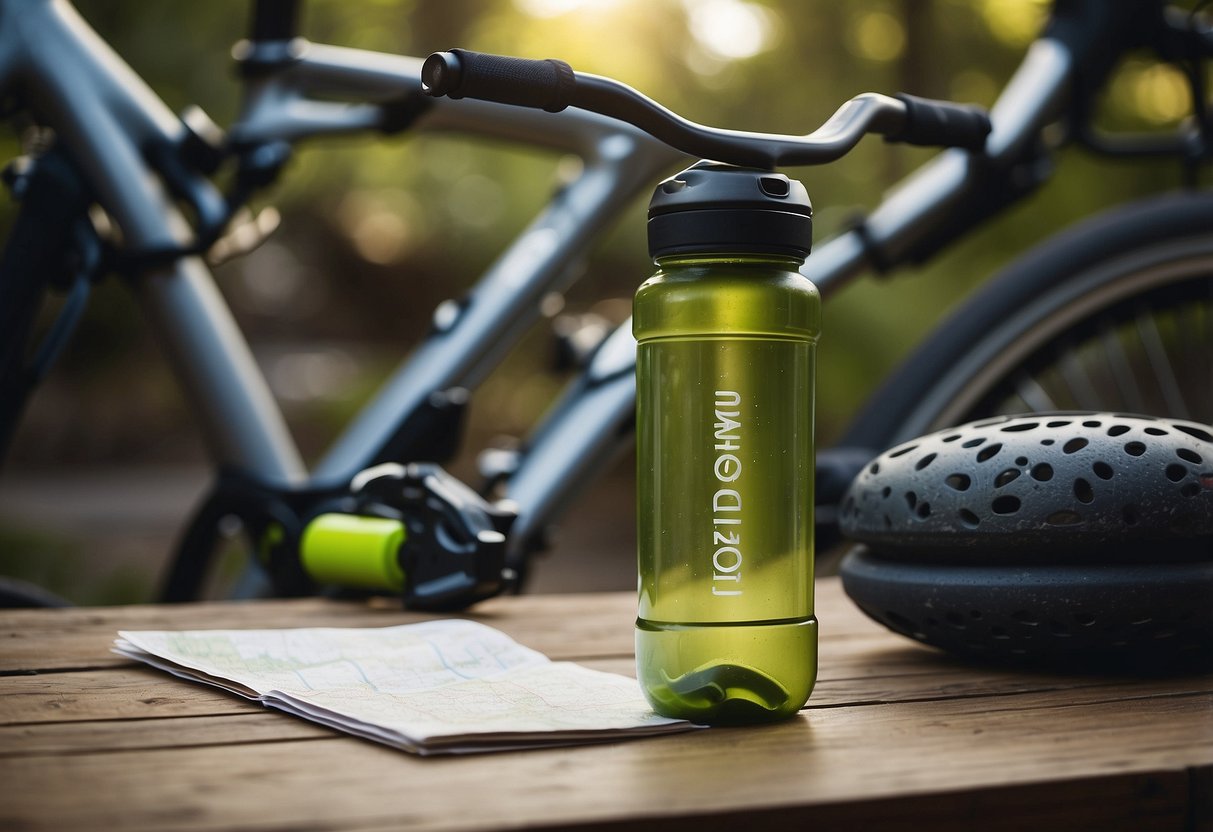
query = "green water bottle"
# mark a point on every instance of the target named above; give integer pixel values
(726, 333)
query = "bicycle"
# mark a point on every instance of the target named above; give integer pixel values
(120, 147)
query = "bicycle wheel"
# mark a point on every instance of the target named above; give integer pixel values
(1114, 314)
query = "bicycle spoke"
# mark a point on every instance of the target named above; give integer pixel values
(1153, 357)
(1164, 372)
(1141, 341)
(1190, 323)
(1122, 370)
(1193, 344)
(1078, 380)
(1034, 394)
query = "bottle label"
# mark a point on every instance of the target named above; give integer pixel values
(725, 479)
(726, 502)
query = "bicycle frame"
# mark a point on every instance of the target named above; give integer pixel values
(618, 162)
(561, 452)
(105, 115)
(591, 423)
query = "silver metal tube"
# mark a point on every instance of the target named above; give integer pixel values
(1032, 100)
(577, 441)
(583, 432)
(503, 304)
(224, 387)
(282, 106)
(836, 262)
(619, 161)
(105, 115)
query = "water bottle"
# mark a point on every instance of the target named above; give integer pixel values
(726, 332)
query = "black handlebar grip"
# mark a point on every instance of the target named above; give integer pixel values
(545, 85)
(942, 124)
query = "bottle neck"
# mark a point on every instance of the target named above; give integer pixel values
(701, 259)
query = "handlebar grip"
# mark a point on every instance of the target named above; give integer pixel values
(942, 124)
(545, 85)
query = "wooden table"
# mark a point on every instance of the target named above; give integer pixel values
(896, 736)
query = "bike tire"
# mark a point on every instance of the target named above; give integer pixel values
(1115, 313)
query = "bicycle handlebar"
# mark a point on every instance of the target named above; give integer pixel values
(552, 85)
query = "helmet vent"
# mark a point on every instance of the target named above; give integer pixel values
(1112, 485)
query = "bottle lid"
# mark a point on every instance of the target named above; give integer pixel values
(713, 207)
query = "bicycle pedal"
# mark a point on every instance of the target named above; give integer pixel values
(413, 530)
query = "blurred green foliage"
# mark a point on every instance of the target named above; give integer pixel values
(53, 562)
(377, 231)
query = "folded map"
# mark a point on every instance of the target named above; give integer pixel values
(440, 687)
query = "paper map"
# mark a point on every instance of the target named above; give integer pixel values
(449, 686)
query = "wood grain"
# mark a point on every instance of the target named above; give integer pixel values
(141, 693)
(827, 756)
(117, 693)
(106, 736)
(571, 626)
(896, 736)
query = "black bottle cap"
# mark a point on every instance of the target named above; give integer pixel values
(716, 208)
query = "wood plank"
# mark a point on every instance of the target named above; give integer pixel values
(574, 626)
(81, 638)
(939, 682)
(119, 693)
(182, 721)
(594, 624)
(229, 730)
(1123, 803)
(138, 692)
(825, 757)
(893, 728)
(19, 694)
